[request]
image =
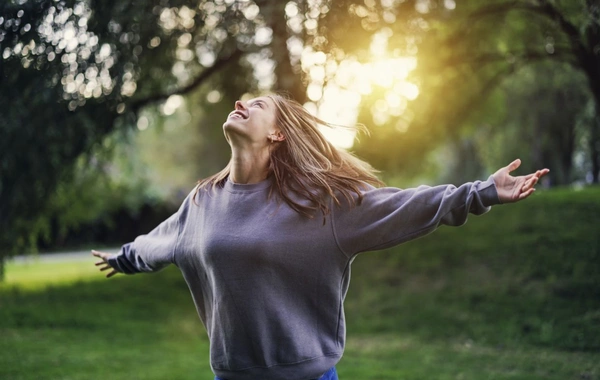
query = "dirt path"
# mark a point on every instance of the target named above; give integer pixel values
(58, 256)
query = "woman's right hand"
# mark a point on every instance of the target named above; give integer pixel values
(513, 189)
(106, 266)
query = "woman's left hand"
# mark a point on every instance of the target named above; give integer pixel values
(513, 189)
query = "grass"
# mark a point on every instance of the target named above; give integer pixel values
(125, 328)
(512, 295)
(34, 274)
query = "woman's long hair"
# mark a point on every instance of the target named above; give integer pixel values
(307, 165)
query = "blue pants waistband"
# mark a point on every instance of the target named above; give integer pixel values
(331, 374)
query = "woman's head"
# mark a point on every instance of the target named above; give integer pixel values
(302, 161)
(252, 122)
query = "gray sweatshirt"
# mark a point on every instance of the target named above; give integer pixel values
(268, 283)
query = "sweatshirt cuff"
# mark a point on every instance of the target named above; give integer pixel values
(113, 261)
(488, 192)
(121, 262)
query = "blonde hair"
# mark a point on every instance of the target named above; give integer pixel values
(307, 165)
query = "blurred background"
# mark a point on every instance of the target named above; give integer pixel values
(112, 110)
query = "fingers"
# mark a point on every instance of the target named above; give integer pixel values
(99, 254)
(538, 173)
(104, 265)
(533, 178)
(529, 183)
(527, 193)
(103, 258)
(542, 172)
(514, 165)
(110, 274)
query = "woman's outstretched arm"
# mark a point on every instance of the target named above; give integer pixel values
(150, 252)
(389, 216)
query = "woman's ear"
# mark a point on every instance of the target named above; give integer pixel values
(276, 136)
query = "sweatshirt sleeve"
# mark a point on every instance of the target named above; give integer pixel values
(155, 250)
(389, 216)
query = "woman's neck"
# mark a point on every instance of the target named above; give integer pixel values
(248, 166)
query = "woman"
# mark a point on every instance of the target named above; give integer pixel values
(266, 244)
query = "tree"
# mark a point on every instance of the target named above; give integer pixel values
(567, 31)
(464, 50)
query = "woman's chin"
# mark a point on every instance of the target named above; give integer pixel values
(234, 131)
(232, 123)
(228, 125)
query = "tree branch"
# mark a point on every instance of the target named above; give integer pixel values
(463, 109)
(568, 28)
(204, 75)
(485, 11)
(545, 9)
(593, 7)
(510, 57)
(501, 8)
(479, 98)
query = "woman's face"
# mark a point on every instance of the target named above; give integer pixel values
(252, 121)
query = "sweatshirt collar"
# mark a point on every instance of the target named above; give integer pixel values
(250, 187)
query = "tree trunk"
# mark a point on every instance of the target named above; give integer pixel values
(590, 65)
(595, 145)
(564, 136)
(287, 79)
(590, 62)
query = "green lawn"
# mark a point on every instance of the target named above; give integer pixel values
(514, 294)
(36, 275)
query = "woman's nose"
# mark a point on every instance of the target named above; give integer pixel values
(239, 105)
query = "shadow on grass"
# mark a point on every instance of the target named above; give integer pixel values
(142, 326)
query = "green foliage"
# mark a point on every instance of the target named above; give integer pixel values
(98, 188)
(73, 71)
(536, 114)
(549, 137)
(464, 55)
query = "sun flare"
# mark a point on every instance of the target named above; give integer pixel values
(336, 91)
